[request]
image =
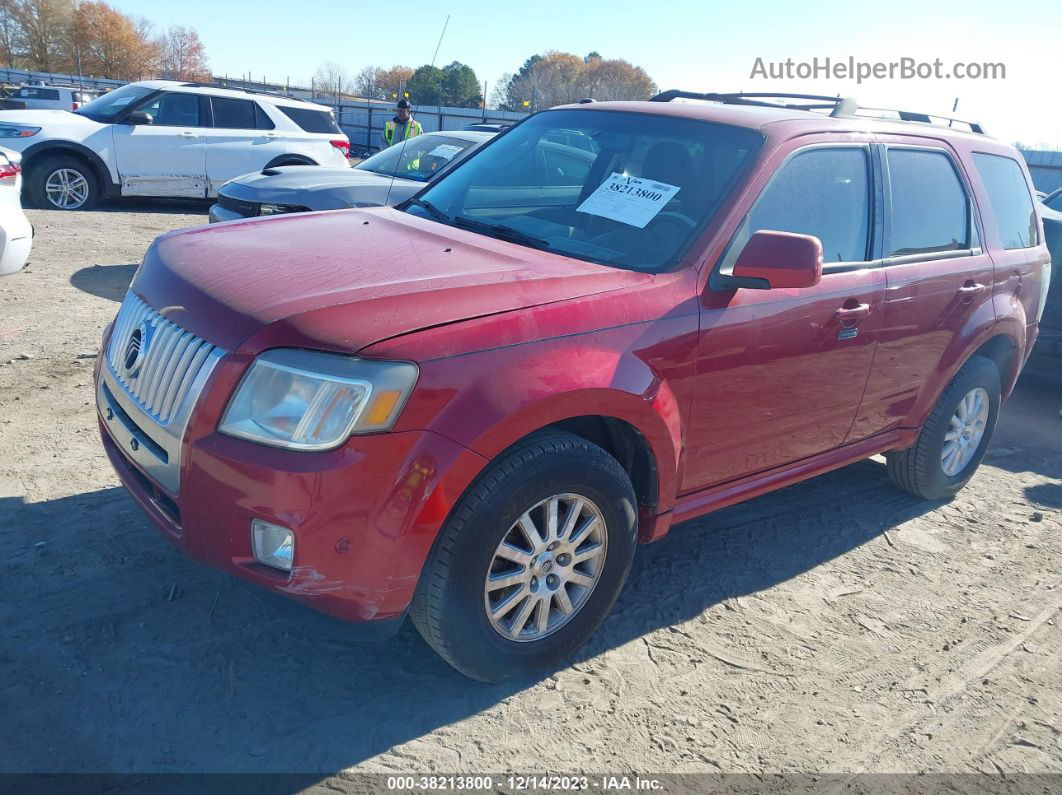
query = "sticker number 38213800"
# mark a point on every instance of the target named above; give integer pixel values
(629, 200)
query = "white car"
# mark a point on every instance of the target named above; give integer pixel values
(52, 97)
(165, 138)
(16, 233)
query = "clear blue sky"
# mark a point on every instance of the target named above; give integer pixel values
(685, 43)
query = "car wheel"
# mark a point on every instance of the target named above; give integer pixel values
(531, 559)
(956, 436)
(64, 183)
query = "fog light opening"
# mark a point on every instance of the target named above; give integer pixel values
(273, 545)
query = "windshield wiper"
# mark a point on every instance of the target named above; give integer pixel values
(501, 231)
(434, 211)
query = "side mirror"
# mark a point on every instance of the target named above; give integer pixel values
(772, 260)
(139, 117)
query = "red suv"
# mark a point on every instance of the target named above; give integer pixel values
(472, 406)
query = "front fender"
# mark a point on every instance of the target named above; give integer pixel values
(489, 400)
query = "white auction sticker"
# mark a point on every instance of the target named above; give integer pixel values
(446, 151)
(629, 200)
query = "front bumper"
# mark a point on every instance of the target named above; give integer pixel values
(364, 516)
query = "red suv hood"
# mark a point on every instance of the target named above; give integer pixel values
(345, 279)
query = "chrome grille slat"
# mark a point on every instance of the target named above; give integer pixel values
(171, 360)
(164, 369)
(186, 349)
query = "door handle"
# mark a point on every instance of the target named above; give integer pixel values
(188, 134)
(269, 135)
(849, 313)
(971, 290)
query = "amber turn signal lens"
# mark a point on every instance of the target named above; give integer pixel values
(381, 407)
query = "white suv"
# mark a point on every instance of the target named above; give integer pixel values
(52, 97)
(165, 138)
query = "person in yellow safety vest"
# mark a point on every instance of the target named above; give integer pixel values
(403, 126)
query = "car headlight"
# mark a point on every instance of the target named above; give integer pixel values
(17, 131)
(279, 209)
(308, 400)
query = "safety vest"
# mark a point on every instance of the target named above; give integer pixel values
(412, 128)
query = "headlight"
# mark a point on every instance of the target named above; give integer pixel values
(279, 209)
(307, 400)
(17, 131)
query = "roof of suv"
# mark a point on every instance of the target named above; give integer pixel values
(787, 122)
(220, 91)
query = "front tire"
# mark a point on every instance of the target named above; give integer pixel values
(956, 436)
(64, 183)
(530, 561)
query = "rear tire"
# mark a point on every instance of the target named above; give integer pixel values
(471, 620)
(64, 182)
(953, 440)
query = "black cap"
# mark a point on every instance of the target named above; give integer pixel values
(404, 103)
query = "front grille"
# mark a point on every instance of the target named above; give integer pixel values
(244, 208)
(155, 360)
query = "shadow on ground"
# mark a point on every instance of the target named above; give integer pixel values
(173, 206)
(105, 281)
(123, 655)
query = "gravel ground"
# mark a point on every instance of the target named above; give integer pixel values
(838, 625)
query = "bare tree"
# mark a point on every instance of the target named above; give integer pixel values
(367, 82)
(182, 55)
(45, 27)
(10, 33)
(331, 78)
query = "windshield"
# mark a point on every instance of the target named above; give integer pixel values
(108, 106)
(619, 188)
(419, 158)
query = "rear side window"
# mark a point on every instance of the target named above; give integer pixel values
(821, 192)
(38, 93)
(311, 121)
(1012, 204)
(233, 114)
(930, 211)
(563, 167)
(1054, 201)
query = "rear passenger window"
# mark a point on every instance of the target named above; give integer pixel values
(822, 192)
(233, 114)
(930, 211)
(311, 121)
(1012, 205)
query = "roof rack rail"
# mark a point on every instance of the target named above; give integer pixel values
(928, 118)
(192, 84)
(839, 107)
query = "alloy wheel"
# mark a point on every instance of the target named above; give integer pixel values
(545, 567)
(965, 431)
(66, 188)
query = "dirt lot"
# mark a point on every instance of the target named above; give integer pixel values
(838, 625)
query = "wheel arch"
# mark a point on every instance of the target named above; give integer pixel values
(290, 160)
(37, 153)
(627, 427)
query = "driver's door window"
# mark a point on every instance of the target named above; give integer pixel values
(174, 110)
(820, 192)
